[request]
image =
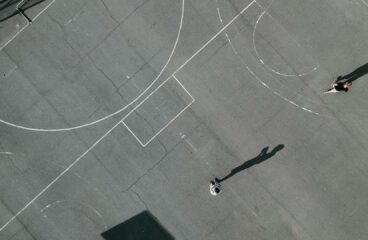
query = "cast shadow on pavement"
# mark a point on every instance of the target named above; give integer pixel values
(354, 75)
(262, 156)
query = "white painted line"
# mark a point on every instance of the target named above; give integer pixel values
(135, 136)
(256, 76)
(121, 109)
(195, 54)
(59, 176)
(183, 136)
(6, 153)
(24, 27)
(50, 205)
(215, 36)
(177, 80)
(116, 125)
(153, 82)
(265, 10)
(166, 125)
(15, 35)
(148, 96)
(172, 120)
(274, 71)
(93, 145)
(90, 207)
(364, 2)
(19, 4)
(43, 10)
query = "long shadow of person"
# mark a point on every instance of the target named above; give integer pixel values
(354, 75)
(262, 156)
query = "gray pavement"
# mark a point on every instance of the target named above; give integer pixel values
(98, 123)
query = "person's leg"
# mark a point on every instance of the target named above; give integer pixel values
(331, 90)
(328, 90)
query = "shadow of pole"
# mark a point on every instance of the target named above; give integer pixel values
(8, 8)
(262, 156)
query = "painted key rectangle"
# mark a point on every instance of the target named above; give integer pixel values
(155, 113)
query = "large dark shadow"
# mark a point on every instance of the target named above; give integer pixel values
(140, 227)
(354, 75)
(8, 7)
(262, 156)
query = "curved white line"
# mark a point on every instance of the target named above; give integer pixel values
(80, 203)
(300, 75)
(285, 75)
(255, 75)
(89, 149)
(59, 176)
(118, 111)
(118, 123)
(258, 56)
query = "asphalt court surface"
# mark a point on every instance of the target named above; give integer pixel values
(17, 15)
(111, 108)
(146, 120)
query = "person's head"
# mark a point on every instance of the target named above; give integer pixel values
(348, 84)
(217, 190)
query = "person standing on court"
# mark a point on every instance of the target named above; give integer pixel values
(337, 86)
(215, 187)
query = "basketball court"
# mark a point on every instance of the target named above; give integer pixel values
(115, 115)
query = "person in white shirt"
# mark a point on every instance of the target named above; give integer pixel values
(215, 188)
